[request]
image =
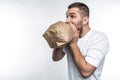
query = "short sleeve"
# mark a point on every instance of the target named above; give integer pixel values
(65, 49)
(97, 49)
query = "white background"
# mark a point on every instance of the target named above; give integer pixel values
(24, 53)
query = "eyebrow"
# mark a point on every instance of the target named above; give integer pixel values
(70, 13)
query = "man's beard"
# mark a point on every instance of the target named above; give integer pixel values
(81, 30)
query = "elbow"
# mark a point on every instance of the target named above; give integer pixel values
(58, 57)
(86, 74)
(55, 59)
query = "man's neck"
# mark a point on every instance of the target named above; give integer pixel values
(85, 31)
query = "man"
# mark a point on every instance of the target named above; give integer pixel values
(86, 52)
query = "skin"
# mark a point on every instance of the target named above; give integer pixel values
(80, 27)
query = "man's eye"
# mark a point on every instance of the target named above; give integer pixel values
(72, 16)
(66, 16)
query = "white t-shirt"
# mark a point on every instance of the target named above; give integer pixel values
(94, 46)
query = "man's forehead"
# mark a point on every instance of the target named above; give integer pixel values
(72, 11)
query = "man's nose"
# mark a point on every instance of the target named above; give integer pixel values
(67, 21)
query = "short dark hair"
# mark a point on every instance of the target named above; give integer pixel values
(82, 7)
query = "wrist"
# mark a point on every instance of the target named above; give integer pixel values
(72, 44)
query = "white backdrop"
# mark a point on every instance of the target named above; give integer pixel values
(24, 53)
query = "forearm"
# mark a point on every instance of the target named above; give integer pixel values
(77, 56)
(58, 54)
(84, 68)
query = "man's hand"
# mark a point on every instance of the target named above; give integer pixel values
(76, 33)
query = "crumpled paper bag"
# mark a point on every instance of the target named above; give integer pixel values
(58, 34)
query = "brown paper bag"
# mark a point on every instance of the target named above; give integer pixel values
(58, 34)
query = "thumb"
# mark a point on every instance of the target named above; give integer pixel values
(73, 27)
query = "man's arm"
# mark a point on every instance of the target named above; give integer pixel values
(84, 68)
(58, 54)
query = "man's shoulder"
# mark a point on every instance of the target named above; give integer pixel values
(97, 36)
(97, 33)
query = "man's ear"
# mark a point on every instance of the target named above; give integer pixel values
(85, 20)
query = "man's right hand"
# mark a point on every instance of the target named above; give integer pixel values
(76, 33)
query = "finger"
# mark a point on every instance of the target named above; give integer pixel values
(73, 27)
